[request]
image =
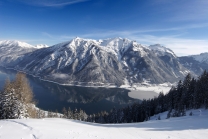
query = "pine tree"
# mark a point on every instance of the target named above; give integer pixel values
(190, 95)
(186, 90)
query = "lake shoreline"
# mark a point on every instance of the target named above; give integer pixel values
(135, 90)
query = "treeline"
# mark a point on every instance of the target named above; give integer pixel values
(187, 94)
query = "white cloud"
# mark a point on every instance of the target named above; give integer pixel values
(180, 46)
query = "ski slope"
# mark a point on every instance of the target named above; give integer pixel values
(187, 127)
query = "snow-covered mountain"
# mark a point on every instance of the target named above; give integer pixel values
(195, 63)
(162, 51)
(79, 60)
(12, 51)
(115, 61)
(13, 44)
(203, 57)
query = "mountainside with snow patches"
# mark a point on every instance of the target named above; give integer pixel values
(115, 61)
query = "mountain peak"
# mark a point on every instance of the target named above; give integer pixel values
(161, 50)
(15, 43)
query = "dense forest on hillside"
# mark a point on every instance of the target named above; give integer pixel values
(187, 94)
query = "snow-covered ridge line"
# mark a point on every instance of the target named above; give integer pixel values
(108, 62)
(21, 44)
(203, 57)
(161, 50)
(15, 43)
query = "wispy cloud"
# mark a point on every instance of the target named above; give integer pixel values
(181, 46)
(192, 10)
(182, 10)
(51, 3)
(57, 37)
(47, 35)
(136, 32)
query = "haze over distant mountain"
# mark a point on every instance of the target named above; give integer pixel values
(195, 63)
(203, 57)
(114, 61)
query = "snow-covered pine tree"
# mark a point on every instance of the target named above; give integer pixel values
(10, 106)
(64, 111)
(69, 113)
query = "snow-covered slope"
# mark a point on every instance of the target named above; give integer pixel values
(117, 46)
(15, 43)
(195, 63)
(41, 46)
(188, 127)
(10, 51)
(161, 50)
(203, 57)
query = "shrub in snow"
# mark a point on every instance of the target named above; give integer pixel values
(159, 117)
(190, 114)
(169, 114)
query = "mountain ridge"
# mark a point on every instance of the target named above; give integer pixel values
(114, 61)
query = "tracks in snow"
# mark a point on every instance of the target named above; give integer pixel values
(25, 127)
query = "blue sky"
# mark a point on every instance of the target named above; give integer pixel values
(181, 25)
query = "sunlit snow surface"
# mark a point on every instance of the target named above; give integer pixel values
(188, 127)
(15, 43)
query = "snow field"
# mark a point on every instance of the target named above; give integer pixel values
(187, 127)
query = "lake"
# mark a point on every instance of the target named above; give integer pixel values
(52, 96)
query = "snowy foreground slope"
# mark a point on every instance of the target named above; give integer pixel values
(188, 127)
